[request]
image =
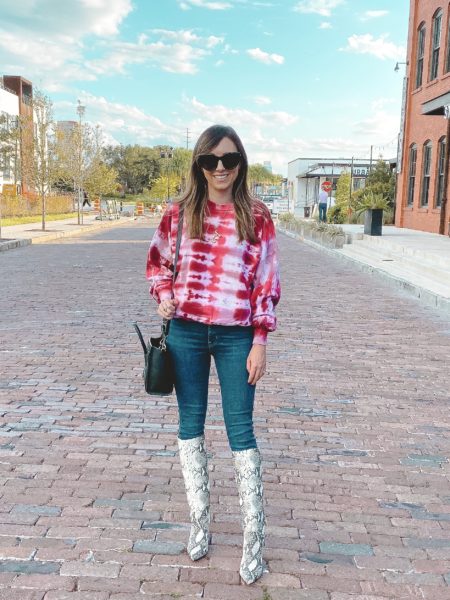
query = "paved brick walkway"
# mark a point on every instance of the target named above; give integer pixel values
(352, 417)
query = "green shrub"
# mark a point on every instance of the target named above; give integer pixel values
(336, 215)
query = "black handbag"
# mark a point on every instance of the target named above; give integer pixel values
(159, 374)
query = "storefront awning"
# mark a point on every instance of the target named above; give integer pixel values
(436, 106)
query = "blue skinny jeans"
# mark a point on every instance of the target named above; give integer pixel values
(191, 345)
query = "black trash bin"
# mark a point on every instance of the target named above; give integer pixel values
(307, 211)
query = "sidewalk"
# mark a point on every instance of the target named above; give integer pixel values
(415, 261)
(351, 418)
(15, 236)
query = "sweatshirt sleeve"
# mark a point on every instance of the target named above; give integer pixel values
(160, 261)
(266, 286)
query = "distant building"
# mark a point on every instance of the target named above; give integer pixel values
(9, 160)
(306, 175)
(420, 184)
(267, 165)
(16, 96)
(66, 126)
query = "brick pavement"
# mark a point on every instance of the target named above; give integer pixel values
(352, 419)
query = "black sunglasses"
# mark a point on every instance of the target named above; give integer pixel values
(209, 162)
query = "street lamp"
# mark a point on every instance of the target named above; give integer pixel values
(167, 154)
(397, 66)
(80, 111)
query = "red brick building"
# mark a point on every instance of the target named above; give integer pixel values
(420, 190)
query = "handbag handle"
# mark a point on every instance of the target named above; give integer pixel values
(140, 336)
(166, 322)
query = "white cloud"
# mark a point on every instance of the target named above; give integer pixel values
(262, 100)
(211, 5)
(381, 127)
(373, 14)
(326, 25)
(172, 51)
(227, 49)
(320, 7)
(241, 116)
(45, 43)
(122, 121)
(380, 47)
(76, 19)
(56, 60)
(265, 57)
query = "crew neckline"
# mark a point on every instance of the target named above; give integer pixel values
(229, 206)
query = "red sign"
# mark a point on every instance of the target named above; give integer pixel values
(326, 186)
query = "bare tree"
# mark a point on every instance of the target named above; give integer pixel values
(37, 158)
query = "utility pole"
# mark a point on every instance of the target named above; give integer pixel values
(349, 211)
(187, 138)
(80, 111)
(371, 157)
(167, 154)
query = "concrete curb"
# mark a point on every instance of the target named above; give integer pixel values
(85, 229)
(11, 244)
(425, 296)
(50, 237)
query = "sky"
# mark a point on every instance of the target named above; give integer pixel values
(295, 78)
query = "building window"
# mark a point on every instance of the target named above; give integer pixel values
(412, 173)
(426, 173)
(436, 44)
(420, 54)
(440, 173)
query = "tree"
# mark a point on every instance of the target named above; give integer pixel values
(137, 166)
(100, 179)
(38, 166)
(179, 166)
(343, 190)
(259, 175)
(80, 164)
(381, 180)
(160, 188)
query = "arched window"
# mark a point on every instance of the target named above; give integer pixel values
(421, 32)
(412, 174)
(426, 173)
(436, 44)
(440, 173)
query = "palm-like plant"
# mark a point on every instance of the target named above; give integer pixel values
(371, 201)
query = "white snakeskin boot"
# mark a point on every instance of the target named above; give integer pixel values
(247, 464)
(194, 466)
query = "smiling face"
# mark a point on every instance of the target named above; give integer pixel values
(220, 181)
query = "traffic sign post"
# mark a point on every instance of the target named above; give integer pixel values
(327, 186)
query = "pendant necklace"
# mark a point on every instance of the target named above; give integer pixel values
(216, 237)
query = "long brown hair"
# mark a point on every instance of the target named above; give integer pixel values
(194, 200)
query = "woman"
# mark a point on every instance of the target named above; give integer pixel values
(222, 305)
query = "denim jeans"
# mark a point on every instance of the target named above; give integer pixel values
(191, 345)
(322, 212)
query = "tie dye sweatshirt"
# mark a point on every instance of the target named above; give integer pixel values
(221, 281)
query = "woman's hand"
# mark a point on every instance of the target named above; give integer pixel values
(167, 307)
(256, 363)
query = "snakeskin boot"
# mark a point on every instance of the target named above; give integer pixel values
(247, 464)
(194, 466)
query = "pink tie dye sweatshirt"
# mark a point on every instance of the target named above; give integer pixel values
(221, 281)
